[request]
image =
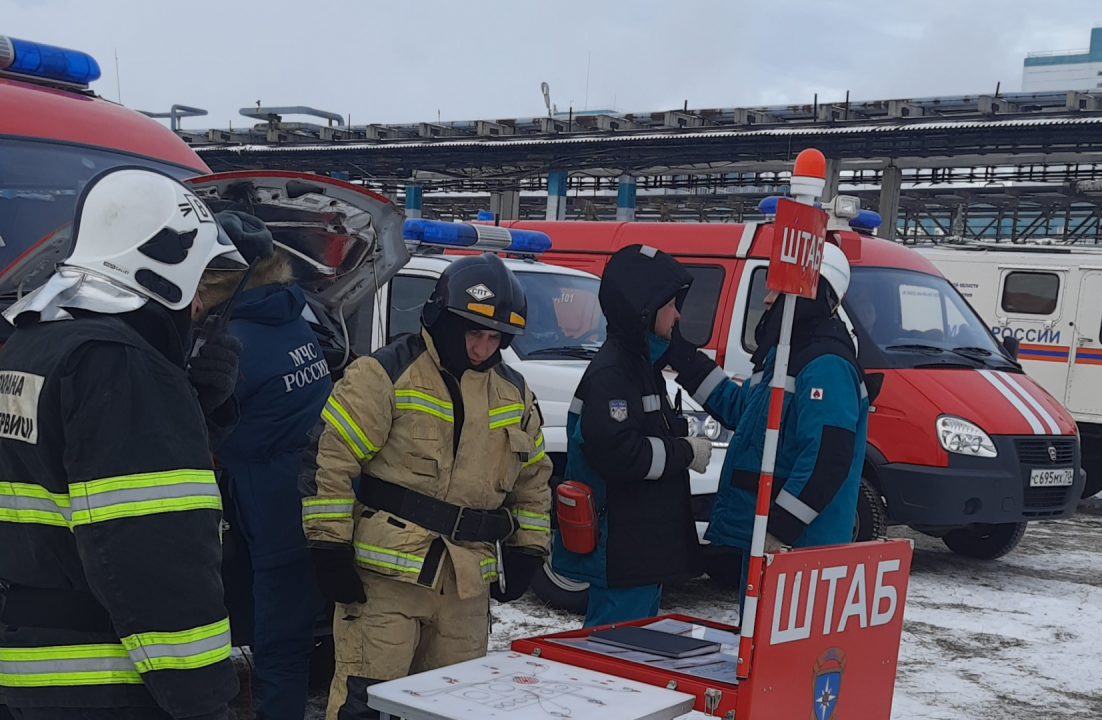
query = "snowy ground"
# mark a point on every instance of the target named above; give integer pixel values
(1021, 636)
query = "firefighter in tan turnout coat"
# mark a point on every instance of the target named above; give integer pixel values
(452, 502)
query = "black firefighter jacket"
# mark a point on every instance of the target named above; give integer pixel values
(624, 440)
(109, 526)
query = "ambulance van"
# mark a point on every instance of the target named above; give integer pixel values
(1049, 300)
(963, 445)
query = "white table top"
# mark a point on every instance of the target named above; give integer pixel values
(512, 686)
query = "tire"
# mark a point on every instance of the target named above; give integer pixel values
(559, 592)
(725, 569)
(1092, 463)
(985, 542)
(871, 521)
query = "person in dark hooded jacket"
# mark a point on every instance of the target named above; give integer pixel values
(624, 443)
(282, 388)
(824, 423)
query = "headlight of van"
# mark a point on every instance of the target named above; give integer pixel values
(704, 425)
(959, 436)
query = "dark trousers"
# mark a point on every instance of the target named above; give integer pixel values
(286, 600)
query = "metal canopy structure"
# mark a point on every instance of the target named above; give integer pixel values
(1007, 167)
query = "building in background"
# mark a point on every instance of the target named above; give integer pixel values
(1079, 70)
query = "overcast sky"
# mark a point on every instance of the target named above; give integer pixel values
(407, 61)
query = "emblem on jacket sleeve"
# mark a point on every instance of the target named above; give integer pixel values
(618, 410)
(829, 669)
(816, 393)
(480, 292)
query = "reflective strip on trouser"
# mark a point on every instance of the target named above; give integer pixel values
(532, 521)
(421, 402)
(658, 459)
(382, 557)
(144, 494)
(488, 568)
(183, 650)
(110, 498)
(540, 452)
(507, 415)
(342, 422)
(67, 666)
(326, 508)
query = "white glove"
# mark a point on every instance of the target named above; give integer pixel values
(702, 453)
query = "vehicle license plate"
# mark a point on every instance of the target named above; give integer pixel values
(1051, 478)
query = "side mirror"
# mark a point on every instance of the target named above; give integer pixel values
(1011, 344)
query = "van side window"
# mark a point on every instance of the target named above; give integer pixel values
(1031, 293)
(408, 294)
(755, 308)
(699, 312)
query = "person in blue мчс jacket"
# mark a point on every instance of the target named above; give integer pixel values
(283, 385)
(624, 443)
(823, 425)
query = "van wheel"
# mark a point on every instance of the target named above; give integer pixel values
(560, 592)
(871, 521)
(1092, 463)
(985, 542)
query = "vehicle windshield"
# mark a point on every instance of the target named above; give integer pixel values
(564, 317)
(40, 182)
(914, 319)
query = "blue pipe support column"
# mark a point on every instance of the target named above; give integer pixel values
(556, 196)
(414, 201)
(625, 199)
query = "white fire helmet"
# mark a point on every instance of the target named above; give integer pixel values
(147, 232)
(835, 269)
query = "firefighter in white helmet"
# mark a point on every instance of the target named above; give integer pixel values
(823, 426)
(109, 509)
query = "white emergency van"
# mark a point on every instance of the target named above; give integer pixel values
(1048, 299)
(565, 328)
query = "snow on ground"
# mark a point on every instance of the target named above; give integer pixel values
(981, 641)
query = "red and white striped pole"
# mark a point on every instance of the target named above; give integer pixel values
(808, 182)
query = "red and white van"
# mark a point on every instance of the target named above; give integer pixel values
(56, 135)
(962, 444)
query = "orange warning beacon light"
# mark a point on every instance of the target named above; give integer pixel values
(809, 176)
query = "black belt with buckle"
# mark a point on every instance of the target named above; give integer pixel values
(463, 524)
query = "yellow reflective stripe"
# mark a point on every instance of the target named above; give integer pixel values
(33, 504)
(143, 494)
(423, 402)
(506, 409)
(342, 422)
(67, 666)
(182, 650)
(325, 508)
(384, 557)
(424, 396)
(539, 452)
(488, 568)
(532, 521)
(506, 415)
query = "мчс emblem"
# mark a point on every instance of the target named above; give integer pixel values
(618, 410)
(829, 669)
(480, 292)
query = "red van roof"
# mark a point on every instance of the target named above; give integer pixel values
(41, 112)
(711, 239)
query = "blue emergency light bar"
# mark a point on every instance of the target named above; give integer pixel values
(768, 206)
(47, 62)
(866, 220)
(475, 237)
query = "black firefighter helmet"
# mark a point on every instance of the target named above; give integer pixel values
(482, 289)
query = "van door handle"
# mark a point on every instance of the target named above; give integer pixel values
(1084, 340)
